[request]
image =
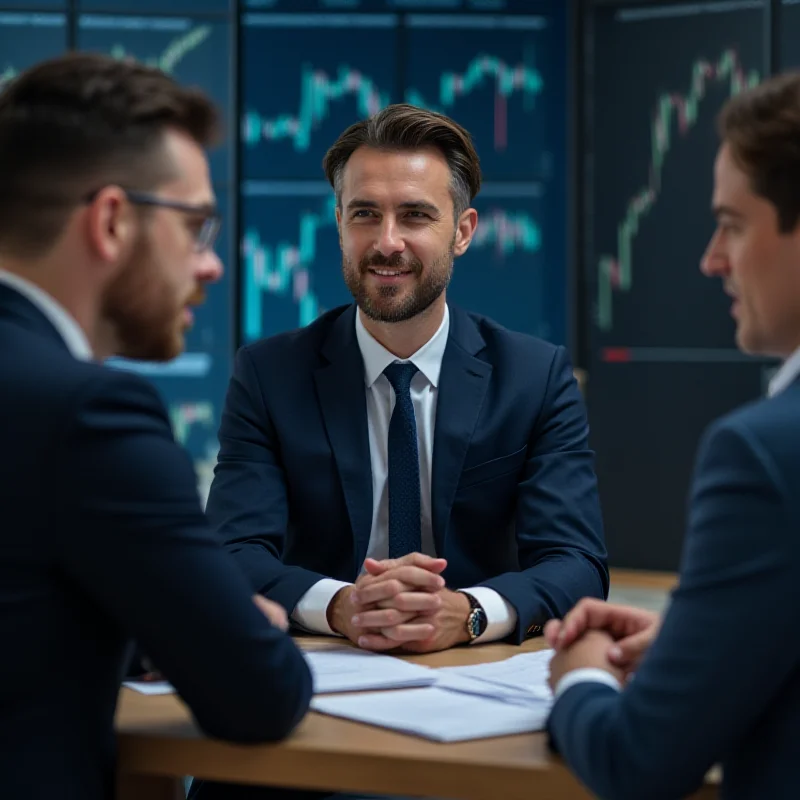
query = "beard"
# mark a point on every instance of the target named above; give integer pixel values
(144, 310)
(398, 303)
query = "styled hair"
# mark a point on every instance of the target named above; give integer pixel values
(76, 123)
(403, 127)
(762, 128)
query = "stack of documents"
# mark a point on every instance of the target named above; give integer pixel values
(437, 714)
(476, 702)
(446, 705)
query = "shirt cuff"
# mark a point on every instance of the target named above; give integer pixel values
(585, 675)
(501, 616)
(311, 611)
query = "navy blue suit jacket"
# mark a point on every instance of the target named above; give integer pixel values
(721, 684)
(514, 494)
(103, 539)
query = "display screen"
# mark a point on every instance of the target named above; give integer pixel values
(663, 355)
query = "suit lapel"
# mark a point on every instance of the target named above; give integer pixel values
(342, 398)
(463, 382)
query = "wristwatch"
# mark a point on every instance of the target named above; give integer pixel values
(476, 621)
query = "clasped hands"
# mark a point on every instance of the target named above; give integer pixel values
(602, 635)
(401, 604)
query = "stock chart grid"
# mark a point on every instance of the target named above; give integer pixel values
(502, 76)
(304, 70)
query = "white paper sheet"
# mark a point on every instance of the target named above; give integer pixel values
(343, 669)
(150, 687)
(521, 678)
(437, 714)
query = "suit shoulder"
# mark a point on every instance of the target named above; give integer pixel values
(298, 343)
(42, 369)
(515, 344)
(770, 425)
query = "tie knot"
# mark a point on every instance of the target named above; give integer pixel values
(400, 376)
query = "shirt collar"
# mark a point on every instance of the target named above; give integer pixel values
(789, 370)
(428, 359)
(64, 323)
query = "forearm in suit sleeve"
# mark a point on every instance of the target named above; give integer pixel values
(703, 684)
(559, 527)
(144, 553)
(247, 504)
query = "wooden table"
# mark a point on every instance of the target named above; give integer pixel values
(159, 743)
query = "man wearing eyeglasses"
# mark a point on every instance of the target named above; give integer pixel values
(107, 219)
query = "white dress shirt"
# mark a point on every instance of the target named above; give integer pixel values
(69, 330)
(789, 370)
(311, 610)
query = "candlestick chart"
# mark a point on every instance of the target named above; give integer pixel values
(503, 79)
(332, 74)
(514, 269)
(652, 181)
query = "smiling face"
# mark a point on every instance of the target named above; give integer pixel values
(759, 265)
(398, 232)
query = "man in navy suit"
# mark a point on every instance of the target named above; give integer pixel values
(720, 680)
(402, 472)
(107, 219)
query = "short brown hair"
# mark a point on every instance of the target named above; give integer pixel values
(406, 127)
(762, 128)
(72, 124)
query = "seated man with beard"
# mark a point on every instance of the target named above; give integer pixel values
(402, 472)
(107, 219)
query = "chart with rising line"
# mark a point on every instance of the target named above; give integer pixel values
(305, 79)
(652, 176)
(676, 115)
(503, 78)
(663, 361)
(195, 51)
(28, 38)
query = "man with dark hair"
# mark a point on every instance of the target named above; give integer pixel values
(718, 680)
(107, 219)
(401, 472)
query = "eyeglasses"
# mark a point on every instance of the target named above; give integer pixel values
(204, 238)
(212, 219)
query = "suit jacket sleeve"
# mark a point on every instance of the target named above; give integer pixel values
(248, 504)
(703, 685)
(559, 528)
(144, 552)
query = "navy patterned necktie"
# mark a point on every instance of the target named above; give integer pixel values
(404, 492)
